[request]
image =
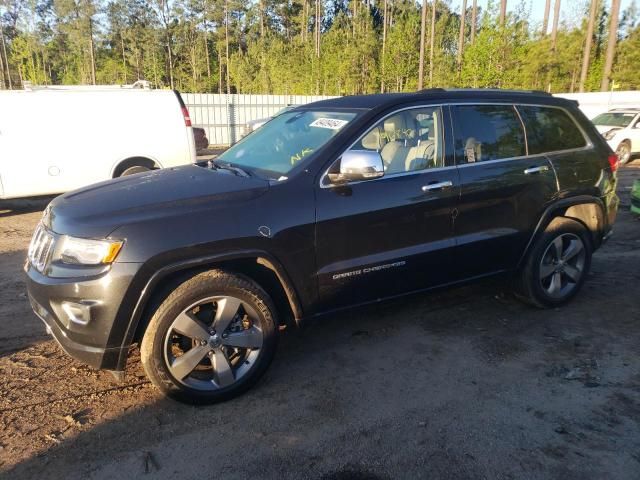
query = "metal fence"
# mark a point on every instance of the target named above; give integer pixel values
(224, 116)
(594, 103)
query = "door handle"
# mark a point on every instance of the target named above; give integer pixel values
(437, 186)
(531, 170)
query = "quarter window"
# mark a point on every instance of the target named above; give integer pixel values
(550, 129)
(408, 141)
(488, 132)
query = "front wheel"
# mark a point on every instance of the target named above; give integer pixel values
(211, 339)
(557, 265)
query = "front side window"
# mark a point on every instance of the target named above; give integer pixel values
(488, 132)
(284, 142)
(407, 141)
(550, 130)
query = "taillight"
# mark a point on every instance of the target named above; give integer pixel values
(187, 118)
(613, 162)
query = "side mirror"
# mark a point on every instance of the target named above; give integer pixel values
(357, 165)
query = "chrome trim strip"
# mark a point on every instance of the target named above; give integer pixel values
(588, 143)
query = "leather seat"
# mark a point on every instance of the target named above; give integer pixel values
(394, 153)
(421, 156)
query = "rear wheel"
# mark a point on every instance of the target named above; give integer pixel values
(624, 152)
(211, 339)
(557, 265)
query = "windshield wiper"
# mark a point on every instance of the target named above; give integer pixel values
(227, 166)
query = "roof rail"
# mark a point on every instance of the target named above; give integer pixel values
(498, 90)
(139, 84)
(432, 90)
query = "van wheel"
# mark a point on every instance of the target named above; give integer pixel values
(557, 265)
(211, 339)
(624, 152)
(134, 169)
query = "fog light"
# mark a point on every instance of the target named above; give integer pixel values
(79, 313)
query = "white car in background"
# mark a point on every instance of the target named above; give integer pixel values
(621, 128)
(56, 139)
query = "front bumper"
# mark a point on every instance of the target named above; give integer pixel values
(96, 338)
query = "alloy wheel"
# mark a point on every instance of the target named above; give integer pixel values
(624, 153)
(562, 265)
(213, 343)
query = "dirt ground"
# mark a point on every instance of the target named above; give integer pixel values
(464, 384)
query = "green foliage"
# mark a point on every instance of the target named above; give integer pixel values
(269, 46)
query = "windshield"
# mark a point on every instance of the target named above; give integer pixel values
(618, 119)
(283, 142)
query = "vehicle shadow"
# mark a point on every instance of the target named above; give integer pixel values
(24, 205)
(367, 393)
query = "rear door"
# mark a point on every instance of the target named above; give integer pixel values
(503, 190)
(386, 236)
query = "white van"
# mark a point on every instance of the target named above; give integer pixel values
(56, 139)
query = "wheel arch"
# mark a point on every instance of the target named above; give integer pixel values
(587, 210)
(260, 267)
(142, 160)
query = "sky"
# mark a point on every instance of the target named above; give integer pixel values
(569, 9)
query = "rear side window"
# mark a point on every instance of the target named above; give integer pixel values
(550, 130)
(488, 132)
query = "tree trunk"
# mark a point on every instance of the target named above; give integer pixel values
(384, 43)
(463, 17)
(423, 34)
(587, 45)
(303, 20)
(611, 45)
(92, 53)
(503, 11)
(433, 41)
(554, 29)
(317, 29)
(261, 7)
(206, 38)
(219, 73)
(3, 84)
(545, 20)
(474, 21)
(226, 41)
(124, 59)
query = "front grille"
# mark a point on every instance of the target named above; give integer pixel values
(40, 248)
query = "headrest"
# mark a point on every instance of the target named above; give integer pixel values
(473, 150)
(371, 141)
(394, 126)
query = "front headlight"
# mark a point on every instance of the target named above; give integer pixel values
(609, 134)
(81, 251)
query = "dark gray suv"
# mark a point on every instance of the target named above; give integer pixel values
(328, 206)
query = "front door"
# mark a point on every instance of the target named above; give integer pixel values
(387, 236)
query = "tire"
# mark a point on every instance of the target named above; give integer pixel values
(242, 312)
(133, 170)
(557, 264)
(624, 152)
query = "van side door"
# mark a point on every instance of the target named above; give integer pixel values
(386, 236)
(25, 167)
(504, 191)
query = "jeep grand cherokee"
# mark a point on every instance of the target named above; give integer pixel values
(334, 204)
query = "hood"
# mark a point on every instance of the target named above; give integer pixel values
(97, 210)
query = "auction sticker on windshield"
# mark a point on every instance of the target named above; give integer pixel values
(331, 123)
